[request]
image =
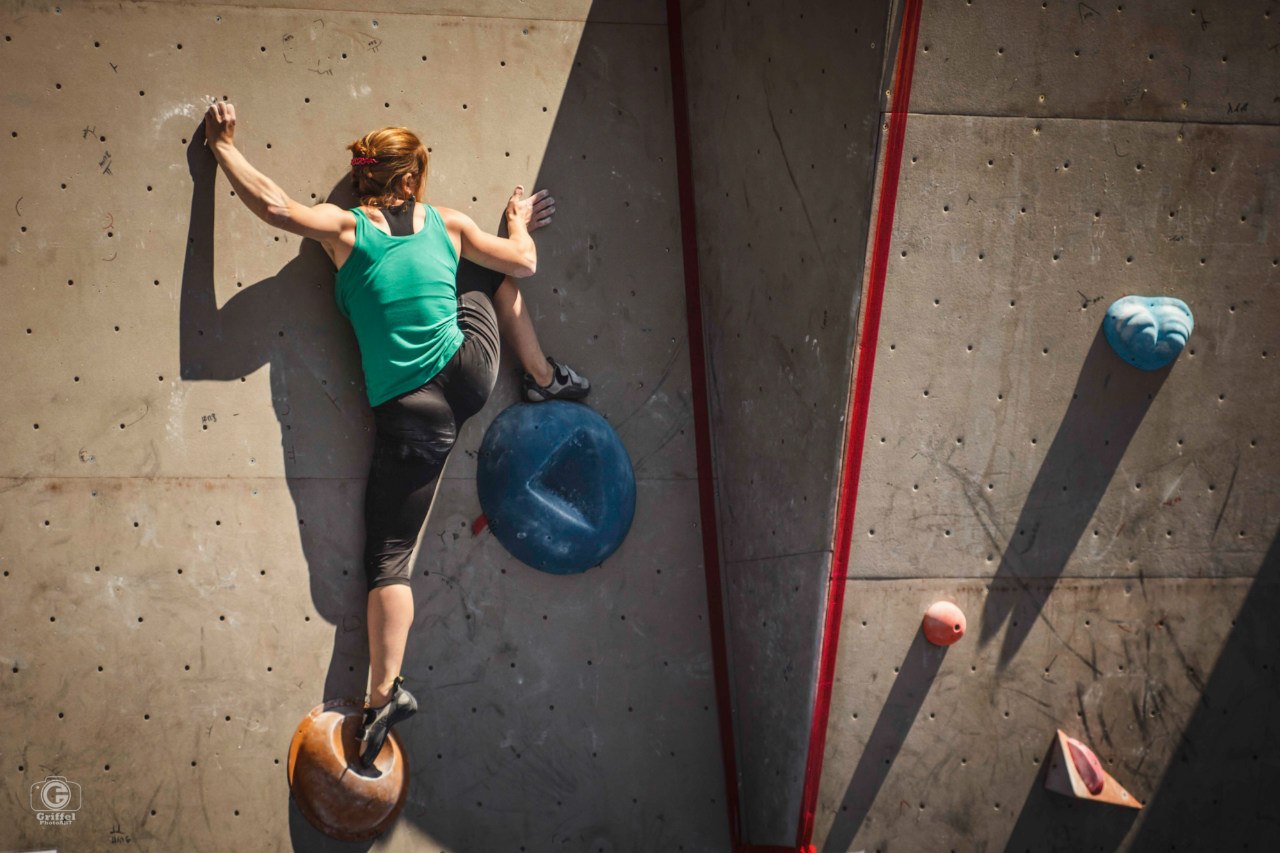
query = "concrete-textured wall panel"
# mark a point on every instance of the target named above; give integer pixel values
(585, 701)
(264, 536)
(940, 749)
(784, 115)
(1004, 433)
(192, 522)
(607, 298)
(162, 667)
(614, 11)
(783, 168)
(775, 660)
(1165, 60)
(580, 707)
(101, 282)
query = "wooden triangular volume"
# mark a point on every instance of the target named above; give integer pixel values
(1075, 771)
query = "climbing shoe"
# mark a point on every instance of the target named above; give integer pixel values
(378, 721)
(565, 384)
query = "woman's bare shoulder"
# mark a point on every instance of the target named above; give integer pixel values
(330, 209)
(452, 218)
(329, 217)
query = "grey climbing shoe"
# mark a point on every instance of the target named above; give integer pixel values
(565, 384)
(378, 721)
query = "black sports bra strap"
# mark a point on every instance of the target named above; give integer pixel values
(400, 219)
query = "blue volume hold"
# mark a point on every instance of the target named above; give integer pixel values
(556, 485)
(1148, 331)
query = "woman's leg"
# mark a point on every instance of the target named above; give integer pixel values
(517, 331)
(550, 379)
(415, 434)
(390, 615)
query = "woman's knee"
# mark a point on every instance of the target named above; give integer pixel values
(402, 456)
(376, 578)
(401, 487)
(471, 277)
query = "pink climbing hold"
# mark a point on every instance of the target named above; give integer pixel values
(944, 623)
(1087, 765)
(1075, 771)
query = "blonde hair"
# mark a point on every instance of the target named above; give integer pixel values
(397, 152)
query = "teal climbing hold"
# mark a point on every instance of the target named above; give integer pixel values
(1148, 331)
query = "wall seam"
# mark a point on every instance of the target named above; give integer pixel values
(864, 366)
(707, 484)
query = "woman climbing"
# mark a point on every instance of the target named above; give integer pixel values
(427, 292)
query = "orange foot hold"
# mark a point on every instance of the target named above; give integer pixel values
(333, 790)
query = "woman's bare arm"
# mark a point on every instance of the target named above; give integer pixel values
(514, 255)
(263, 196)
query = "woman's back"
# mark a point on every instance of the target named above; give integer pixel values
(399, 293)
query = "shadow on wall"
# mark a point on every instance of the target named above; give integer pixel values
(910, 687)
(228, 343)
(321, 425)
(1214, 792)
(1219, 785)
(1110, 401)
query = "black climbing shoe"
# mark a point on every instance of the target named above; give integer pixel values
(378, 721)
(565, 384)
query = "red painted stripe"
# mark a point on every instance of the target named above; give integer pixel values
(857, 417)
(478, 526)
(701, 419)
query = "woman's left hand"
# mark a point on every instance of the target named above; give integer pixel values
(533, 212)
(544, 206)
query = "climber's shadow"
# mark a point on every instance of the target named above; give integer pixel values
(289, 322)
(1110, 400)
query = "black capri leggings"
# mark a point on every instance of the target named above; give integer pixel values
(416, 431)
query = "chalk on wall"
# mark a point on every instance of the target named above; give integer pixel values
(1148, 331)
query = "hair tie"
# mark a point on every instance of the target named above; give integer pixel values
(363, 161)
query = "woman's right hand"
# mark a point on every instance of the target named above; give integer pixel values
(220, 124)
(533, 212)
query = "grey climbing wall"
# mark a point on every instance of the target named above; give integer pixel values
(784, 117)
(1109, 533)
(187, 434)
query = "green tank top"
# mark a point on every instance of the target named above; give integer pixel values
(400, 294)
